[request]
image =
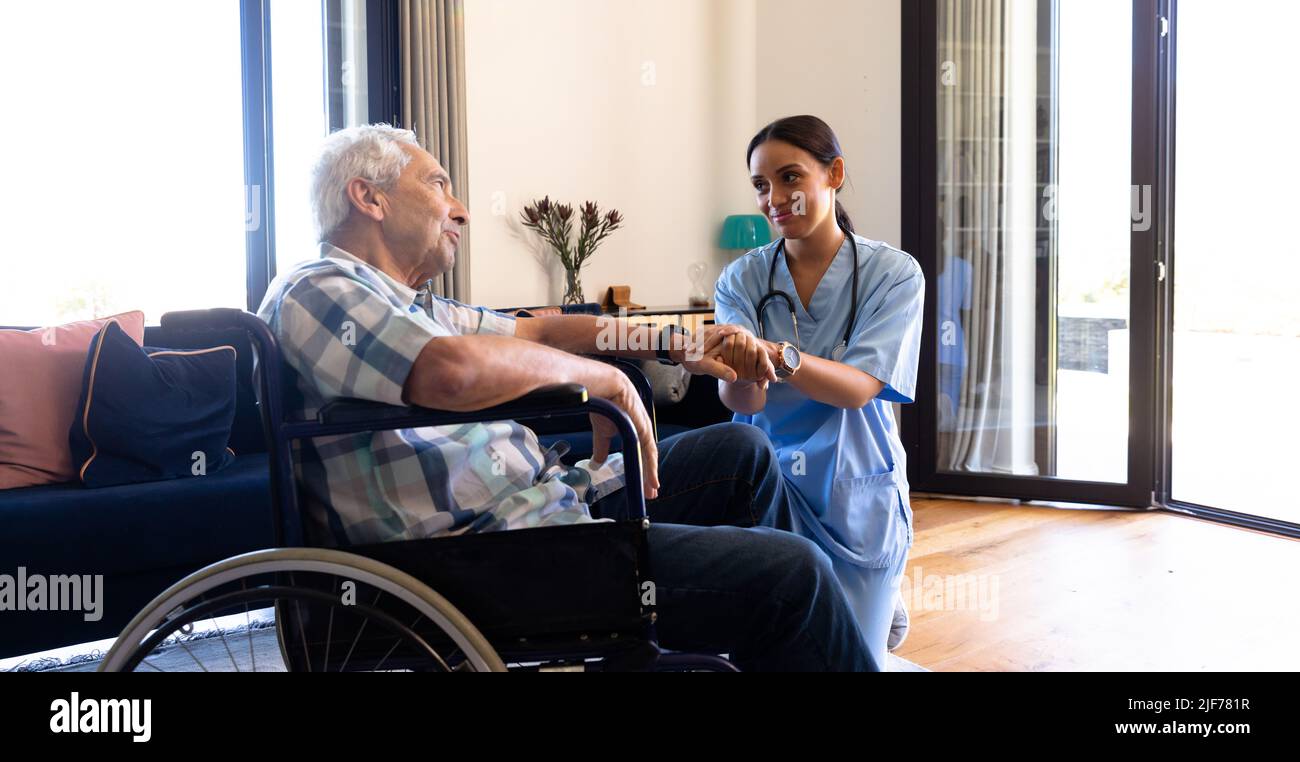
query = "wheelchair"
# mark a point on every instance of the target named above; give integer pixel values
(565, 598)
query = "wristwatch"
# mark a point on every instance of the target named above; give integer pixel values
(666, 342)
(788, 360)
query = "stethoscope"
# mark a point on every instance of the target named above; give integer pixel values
(837, 354)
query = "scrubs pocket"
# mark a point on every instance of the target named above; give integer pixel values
(865, 518)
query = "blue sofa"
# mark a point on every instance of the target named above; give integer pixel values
(141, 537)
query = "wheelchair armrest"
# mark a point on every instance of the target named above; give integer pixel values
(351, 416)
(558, 399)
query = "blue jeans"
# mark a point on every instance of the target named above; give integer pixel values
(728, 577)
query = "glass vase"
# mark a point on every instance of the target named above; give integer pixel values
(573, 287)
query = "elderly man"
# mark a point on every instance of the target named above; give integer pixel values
(357, 323)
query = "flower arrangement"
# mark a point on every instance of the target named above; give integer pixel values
(553, 221)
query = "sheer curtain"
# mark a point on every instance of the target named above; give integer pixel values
(985, 168)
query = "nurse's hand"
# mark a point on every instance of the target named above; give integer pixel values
(701, 362)
(616, 388)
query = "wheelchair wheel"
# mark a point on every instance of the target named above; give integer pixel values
(308, 609)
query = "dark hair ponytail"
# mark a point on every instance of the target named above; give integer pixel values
(842, 218)
(812, 135)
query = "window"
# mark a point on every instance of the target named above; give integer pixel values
(125, 173)
(146, 173)
(318, 85)
(298, 106)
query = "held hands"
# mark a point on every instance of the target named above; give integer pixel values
(746, 355)
(727, 352)
(701, 355)
(730, 353)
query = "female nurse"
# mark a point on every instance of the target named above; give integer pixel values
(825, 331)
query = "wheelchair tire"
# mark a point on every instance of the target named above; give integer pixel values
(186, 601)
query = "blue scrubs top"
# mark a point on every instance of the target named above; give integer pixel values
(845, 470)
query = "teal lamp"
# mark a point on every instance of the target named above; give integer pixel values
(745, 231)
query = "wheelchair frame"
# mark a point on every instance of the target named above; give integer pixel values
(628, 642)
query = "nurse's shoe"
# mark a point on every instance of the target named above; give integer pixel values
(898, 629)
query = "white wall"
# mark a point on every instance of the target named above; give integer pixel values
(646, 106)
(840, 60)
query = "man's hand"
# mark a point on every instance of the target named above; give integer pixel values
(749, 356)
(618, 389)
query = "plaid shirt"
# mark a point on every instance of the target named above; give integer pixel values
(349, 331)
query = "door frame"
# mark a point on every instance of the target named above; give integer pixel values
(919, 210)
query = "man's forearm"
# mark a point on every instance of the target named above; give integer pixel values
(473, 372)
(588, 334)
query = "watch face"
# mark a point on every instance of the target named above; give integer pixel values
(791, 356)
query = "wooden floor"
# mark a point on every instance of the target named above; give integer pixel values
(1017, 587)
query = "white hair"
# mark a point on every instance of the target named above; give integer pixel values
(371, 152)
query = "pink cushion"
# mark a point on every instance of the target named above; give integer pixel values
(40, 381)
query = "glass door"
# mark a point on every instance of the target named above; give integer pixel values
(1033, 214)
(1235, 320)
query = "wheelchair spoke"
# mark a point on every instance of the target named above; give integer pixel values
(442, 662)
(329, 632)
(437, 656)
(464, 665)
(399, 641)
(357, 638)
(396, 643)
(186, 646)
(221, 633)
(248, 624)
(302, 632)
(379, 666)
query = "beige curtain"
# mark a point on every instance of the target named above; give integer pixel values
(433, 102)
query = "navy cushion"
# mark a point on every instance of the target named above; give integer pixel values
(246, 436)
(147, 415)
